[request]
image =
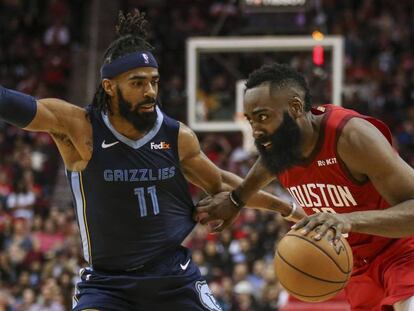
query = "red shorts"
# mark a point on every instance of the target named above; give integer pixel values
(389, 278)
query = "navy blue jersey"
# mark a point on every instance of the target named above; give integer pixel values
(132, 200)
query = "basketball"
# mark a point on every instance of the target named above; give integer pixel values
(313, 270)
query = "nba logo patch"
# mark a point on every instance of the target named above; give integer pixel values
(206, 297)
(146, 58)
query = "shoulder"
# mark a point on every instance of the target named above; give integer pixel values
(363, 147)
(61, 105)
(358, 132)
(67, 114)
(188, 144)
(185, 131)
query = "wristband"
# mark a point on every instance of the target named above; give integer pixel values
(17, 108)
(235, 199)
(290, 217)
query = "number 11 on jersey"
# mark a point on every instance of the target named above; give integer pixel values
(140, 193)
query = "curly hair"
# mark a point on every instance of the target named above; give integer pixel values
(131, 31)
(280, 76)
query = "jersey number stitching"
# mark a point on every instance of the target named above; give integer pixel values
(140, 193)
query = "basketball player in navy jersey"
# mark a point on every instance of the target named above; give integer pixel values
(341, 168)
(128, 164)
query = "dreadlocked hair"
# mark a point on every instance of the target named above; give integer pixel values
(280, 76)
(131, 31)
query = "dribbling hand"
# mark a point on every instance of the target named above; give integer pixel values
(338, 222)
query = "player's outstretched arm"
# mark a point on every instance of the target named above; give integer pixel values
(264, 200)
(46, 115)
(246, 191)
(369, 156)
(200, 171)
(67, 124)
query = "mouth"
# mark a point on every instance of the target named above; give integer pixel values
(267, 144)
(264, 143)
(146, 107)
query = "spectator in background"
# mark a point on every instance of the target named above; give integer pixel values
(256, 278)
(49, 239)
(28, 299)
(57, 35)
(20, 236)
(200, 261)
(244, 299)
(6, 301)
(5, 187)
(216, 149)
(22, 52)
(21, 201)
(50, 298)
(271, 299)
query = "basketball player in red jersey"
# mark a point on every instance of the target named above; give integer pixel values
(341, 168)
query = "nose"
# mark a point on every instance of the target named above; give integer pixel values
(257, 130)
(258, 133)
(150, 91)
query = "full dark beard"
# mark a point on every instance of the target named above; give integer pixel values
(285, 149)
(142, 121)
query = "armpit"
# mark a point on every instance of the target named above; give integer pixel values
(62, 138)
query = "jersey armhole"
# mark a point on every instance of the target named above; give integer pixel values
(381, 126)
(341, 163)
(173, 129)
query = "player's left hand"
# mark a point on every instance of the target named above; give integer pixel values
(217, 207)
(340, 223)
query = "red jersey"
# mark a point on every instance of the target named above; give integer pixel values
(322, 183)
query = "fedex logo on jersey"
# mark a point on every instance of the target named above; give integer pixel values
(322, 195)
(160, 146)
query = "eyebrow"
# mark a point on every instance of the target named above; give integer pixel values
(143, 77)
(259, 110)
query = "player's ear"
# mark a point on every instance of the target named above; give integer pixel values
(296, 107)
(109, 87)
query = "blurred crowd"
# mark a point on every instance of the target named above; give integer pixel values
(39, 243)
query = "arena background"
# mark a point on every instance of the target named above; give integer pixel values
(53, 48)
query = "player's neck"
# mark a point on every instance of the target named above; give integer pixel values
(310, 130)
(124, 127)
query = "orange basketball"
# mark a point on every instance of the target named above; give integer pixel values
(313, 270)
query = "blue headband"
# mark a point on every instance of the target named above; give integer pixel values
(128, 62)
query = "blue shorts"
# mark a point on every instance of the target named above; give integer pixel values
(173, 283)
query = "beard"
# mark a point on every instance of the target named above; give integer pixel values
(284, 151)
(142, 121)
